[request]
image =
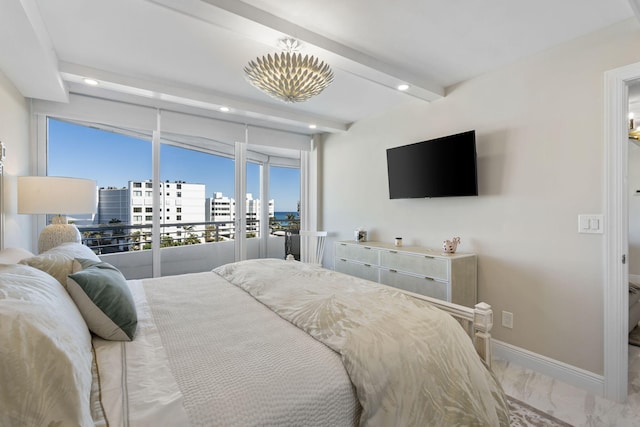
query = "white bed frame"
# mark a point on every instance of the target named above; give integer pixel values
(477, 322)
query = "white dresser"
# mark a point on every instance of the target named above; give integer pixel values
(450, 277)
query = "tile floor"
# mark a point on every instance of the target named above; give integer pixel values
(570, 404)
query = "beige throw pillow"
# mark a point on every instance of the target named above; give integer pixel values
(58, 261)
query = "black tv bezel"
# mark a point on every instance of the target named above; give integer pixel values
(468, 136)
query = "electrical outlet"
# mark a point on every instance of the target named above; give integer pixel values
(507, 319)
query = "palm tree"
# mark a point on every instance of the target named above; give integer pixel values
(292, 221)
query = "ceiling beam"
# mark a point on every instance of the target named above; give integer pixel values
(267, 28)
(28, 58)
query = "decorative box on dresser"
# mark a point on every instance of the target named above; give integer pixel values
(450, 277)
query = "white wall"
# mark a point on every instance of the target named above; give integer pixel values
(14, 133)
(539, 129)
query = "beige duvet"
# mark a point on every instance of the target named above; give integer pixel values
(411, 363)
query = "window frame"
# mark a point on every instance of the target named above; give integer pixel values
(140, 121)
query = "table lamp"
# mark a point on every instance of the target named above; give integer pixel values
(56, 195)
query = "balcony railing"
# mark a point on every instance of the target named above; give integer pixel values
(120, 237)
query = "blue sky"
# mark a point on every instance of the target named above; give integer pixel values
(113, 160)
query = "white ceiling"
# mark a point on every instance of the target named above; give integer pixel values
(189, 54)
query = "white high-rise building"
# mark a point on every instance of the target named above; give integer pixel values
(180, 202)
(222, 209)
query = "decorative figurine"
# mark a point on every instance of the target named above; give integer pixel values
(450, 246)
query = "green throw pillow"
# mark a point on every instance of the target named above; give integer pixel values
(103, 297)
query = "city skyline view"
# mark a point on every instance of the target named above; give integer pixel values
(115, 159)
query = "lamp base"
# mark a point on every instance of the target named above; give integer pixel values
(55, 234)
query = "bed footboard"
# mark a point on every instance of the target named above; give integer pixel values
(477, 322)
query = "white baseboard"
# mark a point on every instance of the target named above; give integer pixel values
(635, 278)
(545, 365)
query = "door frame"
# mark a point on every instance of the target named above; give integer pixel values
(616, 270)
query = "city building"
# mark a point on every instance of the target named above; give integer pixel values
(222, 210)
(183, 210)
(180, 203)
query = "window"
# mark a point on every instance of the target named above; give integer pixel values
(200, 167)
(197, 176)
(252, 201)
(284, 197)
(68, 154)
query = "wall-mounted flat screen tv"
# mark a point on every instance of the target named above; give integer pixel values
(441, 167)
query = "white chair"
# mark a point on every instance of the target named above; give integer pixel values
(312, 246)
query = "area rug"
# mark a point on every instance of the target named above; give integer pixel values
(523, 415)
(634, 336)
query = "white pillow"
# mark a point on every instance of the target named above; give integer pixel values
(13, 255)
(45, 348)
(58, 261)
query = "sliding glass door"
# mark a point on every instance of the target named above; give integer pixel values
(121, 165)
(214, 202)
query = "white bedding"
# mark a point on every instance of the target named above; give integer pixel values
(411, 363)
(215, 357)
(211, 351)
(136, 384)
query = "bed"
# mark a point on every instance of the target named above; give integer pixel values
(255, 343)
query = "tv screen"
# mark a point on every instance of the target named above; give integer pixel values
(442, 167)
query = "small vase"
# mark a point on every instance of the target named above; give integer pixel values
(450, 246)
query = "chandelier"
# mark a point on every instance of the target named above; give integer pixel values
(289, 76)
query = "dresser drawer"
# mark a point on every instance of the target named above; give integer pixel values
(419, 285)
(362, 253)
(363, 271)
(436, 268)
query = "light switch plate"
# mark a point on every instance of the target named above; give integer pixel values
(590, 223)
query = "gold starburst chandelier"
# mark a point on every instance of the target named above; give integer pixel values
(289, 76)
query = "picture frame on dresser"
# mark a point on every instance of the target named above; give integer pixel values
(448, 277)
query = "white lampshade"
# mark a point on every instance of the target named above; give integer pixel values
(56, 195)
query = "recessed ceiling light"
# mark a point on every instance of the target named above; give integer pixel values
(224, 109)
(403, 87)
(91, 82)
(312, 126)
